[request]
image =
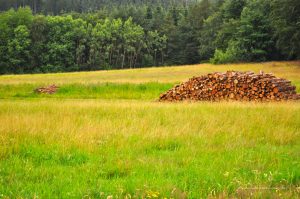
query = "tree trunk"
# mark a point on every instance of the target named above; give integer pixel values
(162, 57)
(34, 7)
(155, 62)
(123, 59)
(110, 56)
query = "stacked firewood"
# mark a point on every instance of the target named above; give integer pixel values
(47, 90)
(233, 85)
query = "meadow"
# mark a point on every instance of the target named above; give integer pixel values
(105, 135)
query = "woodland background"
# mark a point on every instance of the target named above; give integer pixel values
(39, 36)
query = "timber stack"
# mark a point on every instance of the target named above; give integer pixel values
(47, 90)
(233, 85)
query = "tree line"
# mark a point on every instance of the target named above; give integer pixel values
(61, 6)
(129, 34)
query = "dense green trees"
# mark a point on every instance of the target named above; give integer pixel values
(115, 43)
(252, 30)
(63, 43)
(60, 6)
(250, 37)
(15, 40)
(286, 21)
(71, 35)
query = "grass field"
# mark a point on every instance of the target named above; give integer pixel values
(104, 135)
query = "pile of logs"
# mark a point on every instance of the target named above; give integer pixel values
(47, 90)
(233, 85)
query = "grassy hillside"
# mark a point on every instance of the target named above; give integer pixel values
(289, 70)
(122, 142)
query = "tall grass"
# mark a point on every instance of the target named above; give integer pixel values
(104, 135)
(77, 148)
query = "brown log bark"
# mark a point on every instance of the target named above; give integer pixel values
(233, 85)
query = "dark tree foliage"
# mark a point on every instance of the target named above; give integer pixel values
(60, 6)
(72, 35)
(286, 20)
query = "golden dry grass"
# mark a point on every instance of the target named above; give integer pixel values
(289, 70)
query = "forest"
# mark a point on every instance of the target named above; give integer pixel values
(39, 36)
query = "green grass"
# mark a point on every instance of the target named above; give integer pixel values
(85, 147)
(95, 139)
(141, 91)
